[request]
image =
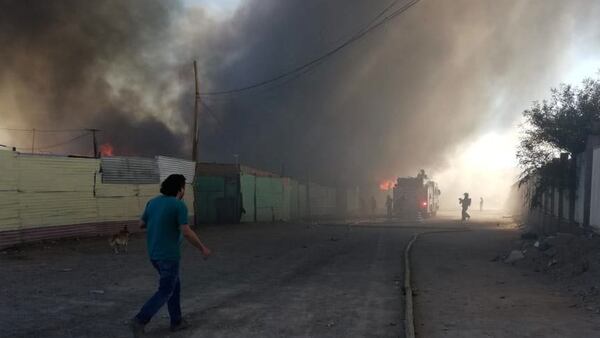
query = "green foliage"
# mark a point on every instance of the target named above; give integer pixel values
(560, 124)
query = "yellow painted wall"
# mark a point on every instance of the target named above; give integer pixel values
(40, 191)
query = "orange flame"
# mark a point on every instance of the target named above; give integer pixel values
(386, 185)
(106, 149)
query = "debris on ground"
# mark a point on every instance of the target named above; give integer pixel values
(571, 260)
(97, 292)
(515, 255)
(529, 235)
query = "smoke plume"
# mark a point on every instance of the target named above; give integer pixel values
(97, 64)
(397, 100)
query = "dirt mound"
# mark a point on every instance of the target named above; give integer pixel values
(571, 260)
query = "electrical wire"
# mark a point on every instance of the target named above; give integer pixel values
(379, 20)
(219, 124)
(64, 142)
(45, 130)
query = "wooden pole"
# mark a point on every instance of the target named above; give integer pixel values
(33, 140)
(195, 138)
(195, 129)
(94, 142)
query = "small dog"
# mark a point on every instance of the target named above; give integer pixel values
(119, 240)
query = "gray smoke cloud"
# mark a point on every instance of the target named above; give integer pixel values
(394, 102)
(399, 99)
(88, 64)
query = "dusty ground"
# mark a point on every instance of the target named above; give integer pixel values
(465, 291)
(340, 279)
(277, 280)
(571, 261)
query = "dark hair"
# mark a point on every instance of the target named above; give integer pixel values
(172, 184)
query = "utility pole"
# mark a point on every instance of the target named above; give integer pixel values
(195, 130)
(195, 136)
(33, 140)
(94, 142)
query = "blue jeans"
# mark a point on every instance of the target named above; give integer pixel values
(168, 292)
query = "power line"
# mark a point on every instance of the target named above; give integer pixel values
(64, 142)
(45, 130)
(219, 124)
(379, 20)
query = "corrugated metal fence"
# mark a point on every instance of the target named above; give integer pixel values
(230, 192)
(555, 210)
(50, 196)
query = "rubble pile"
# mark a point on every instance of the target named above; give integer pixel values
(571, 260)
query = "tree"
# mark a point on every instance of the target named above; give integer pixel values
(558, 125)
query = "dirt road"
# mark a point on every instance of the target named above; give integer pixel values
(276, 280)
(295, 280)
(463, 291)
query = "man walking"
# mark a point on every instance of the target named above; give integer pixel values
(166, 220)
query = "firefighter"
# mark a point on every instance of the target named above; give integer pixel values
(465, 204)
(389, 205)
(373, 206)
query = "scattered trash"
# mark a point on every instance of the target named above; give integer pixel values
(97, 292)
(552, 262)
(514, 256)
(551, 252)
(334, 239)
(331, 324)
(560, 239)
(529, 235)
(66, 270)
(543, 245)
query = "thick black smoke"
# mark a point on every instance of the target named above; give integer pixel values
(396, 101)
(399, 99)
(87, 64)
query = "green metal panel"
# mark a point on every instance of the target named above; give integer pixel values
(217, 199)
(247, 183)
(302, 201)
(287, 199)
(294, 207)
(269, 199)
(207, 190)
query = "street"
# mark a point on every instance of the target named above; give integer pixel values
(342, 279)
(268, 280)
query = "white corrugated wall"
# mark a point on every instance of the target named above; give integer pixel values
(9, 203)
(41, 191)
(322, 200)
(579, 194)
(595, 198)
(170, 165)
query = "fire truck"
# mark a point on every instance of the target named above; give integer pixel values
(413, 196)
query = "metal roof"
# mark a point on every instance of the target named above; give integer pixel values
(170, 165)
(131, 170)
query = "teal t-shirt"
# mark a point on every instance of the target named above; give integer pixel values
(164, 216)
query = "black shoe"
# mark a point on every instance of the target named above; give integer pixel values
(136, 327)
(183, 324)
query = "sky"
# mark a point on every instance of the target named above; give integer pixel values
(441, 87)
